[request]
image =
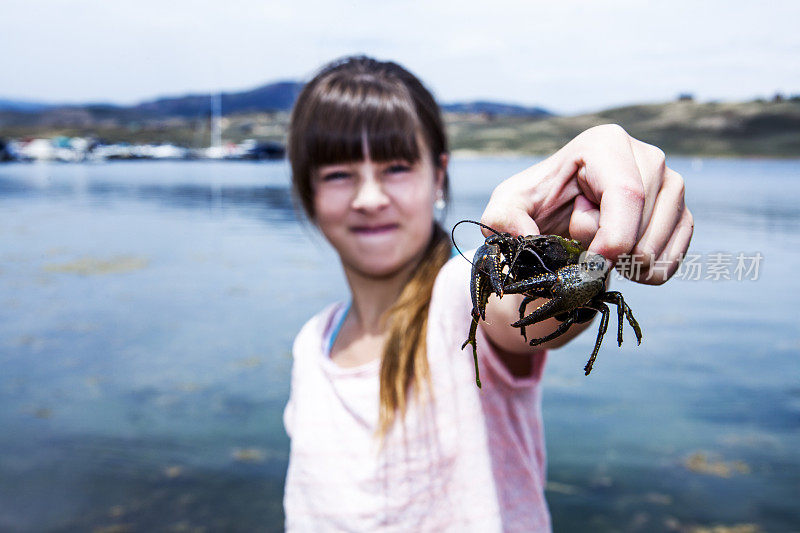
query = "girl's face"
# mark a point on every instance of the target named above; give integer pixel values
(378, 215)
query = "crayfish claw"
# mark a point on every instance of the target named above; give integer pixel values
(488, 262)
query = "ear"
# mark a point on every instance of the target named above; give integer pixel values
(441, 169)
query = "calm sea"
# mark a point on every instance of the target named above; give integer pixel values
(147, 312)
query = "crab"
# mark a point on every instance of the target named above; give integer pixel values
(549, 266)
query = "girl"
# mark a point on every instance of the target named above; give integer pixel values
(388, 430)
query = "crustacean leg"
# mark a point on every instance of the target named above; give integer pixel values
(534, 288)
(539, 284)
(622, 308)
(473, 331)
(562, 328)
(603, 308)
(549, 309)
(529, 297)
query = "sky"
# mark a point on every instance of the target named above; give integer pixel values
(567, 56)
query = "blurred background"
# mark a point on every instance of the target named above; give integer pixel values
(153, 272)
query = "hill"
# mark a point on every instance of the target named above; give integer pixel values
(270, 98)
(756, 128)
(496, 108)
(278, 96)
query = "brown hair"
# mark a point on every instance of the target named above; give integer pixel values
(349, 99)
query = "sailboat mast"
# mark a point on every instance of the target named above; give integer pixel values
(216, 120)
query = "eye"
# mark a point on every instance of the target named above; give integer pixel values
(398, 168)
(335, 175)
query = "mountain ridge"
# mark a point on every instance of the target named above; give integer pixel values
(271, 97)
(764, 128)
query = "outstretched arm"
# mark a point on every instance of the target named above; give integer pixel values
(606, 189)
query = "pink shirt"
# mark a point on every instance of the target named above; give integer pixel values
(469, 460)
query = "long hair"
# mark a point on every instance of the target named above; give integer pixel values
(348, 100)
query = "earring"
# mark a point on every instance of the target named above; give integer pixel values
(439, 204)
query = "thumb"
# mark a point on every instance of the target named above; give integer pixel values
(514, 220)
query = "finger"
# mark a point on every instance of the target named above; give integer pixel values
(651, 162)
(621, 207)
(585, 220)
(511, 218)
(667, 212)
(612, 176)
(670, 259)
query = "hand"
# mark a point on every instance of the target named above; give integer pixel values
(608, 190)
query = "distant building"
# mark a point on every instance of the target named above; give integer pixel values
(686, 97)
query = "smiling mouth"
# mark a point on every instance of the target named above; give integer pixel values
(374, 230)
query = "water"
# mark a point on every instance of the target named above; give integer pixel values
(147, 312)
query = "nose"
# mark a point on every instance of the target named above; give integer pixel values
(370, 195)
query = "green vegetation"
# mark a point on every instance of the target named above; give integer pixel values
(756, 128)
